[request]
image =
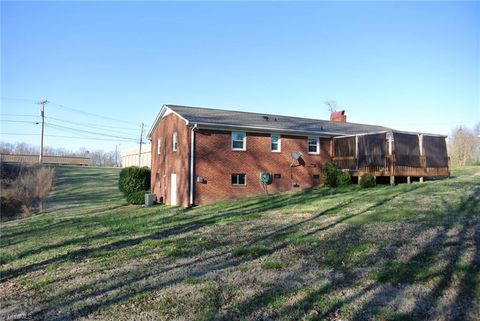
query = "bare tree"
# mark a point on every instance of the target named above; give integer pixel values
(6, 148)
(102, 158)
(464, 146)
(332, 105)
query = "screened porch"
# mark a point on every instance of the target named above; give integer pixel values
(394, 154)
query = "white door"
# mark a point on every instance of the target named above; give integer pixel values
(173, 189)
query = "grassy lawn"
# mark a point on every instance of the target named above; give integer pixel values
(408, 252)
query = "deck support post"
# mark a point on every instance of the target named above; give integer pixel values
(408, 180)
(390, 157)
(421, 179)
(356, 155)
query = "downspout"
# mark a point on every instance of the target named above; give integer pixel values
(192, 152)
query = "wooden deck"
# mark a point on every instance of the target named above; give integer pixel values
(390, 168)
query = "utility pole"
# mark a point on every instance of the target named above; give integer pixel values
(42, 114)
(116, 163)
(140, 149)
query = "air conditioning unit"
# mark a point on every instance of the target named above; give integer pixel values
(150, 199)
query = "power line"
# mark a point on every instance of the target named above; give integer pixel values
(120, 135)
(32, 101)
(92, 125)
(60, 106)
(18, 121)
(64, 128)
(18, 115)
(87, 131)
(76, 110)
(91, 114)
(99, 131)
(70, 137)
(81, 131)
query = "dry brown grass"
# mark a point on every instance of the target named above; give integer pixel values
(26, 194)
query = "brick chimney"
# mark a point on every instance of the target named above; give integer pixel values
(338, 116)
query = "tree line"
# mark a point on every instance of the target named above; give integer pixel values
(464, 145)
(97, 157)
(463, 149)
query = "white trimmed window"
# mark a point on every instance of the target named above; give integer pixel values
(239, 179)
(239, 141)
(174, 142)
(314, 145)
(275, 143)
(159, 146)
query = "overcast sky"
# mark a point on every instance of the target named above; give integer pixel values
(409, 65)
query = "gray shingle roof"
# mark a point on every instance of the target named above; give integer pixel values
(269, 121)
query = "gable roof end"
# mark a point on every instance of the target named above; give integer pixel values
(160, 114)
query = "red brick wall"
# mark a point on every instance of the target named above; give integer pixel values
(169, 162)
(215, 161)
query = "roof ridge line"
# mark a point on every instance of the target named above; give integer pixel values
(265, 114)
(243, 112)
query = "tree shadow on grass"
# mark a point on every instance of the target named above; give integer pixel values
(130, 283)
(193, 223)
(194, 268)
(469, 287)
(46, 225)
(418, 269)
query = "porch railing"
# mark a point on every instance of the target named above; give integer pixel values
(390, 168)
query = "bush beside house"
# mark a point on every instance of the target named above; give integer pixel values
(332, 177)
(343, 179)
(134, 183)
(137, 198)
(367, 180)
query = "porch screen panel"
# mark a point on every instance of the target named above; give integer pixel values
(407, 149)
(344, 147)
(435, 151)
(371, 150)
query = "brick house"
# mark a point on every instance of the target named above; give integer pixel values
(203, 155)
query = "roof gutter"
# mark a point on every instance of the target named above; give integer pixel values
(363, 134)
(265, 129)
(390, 132)
(418, 133)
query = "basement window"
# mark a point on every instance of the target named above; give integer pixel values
(313, 145)
(316, 176)
(239, 179)
(239, 141)
(277, 176)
